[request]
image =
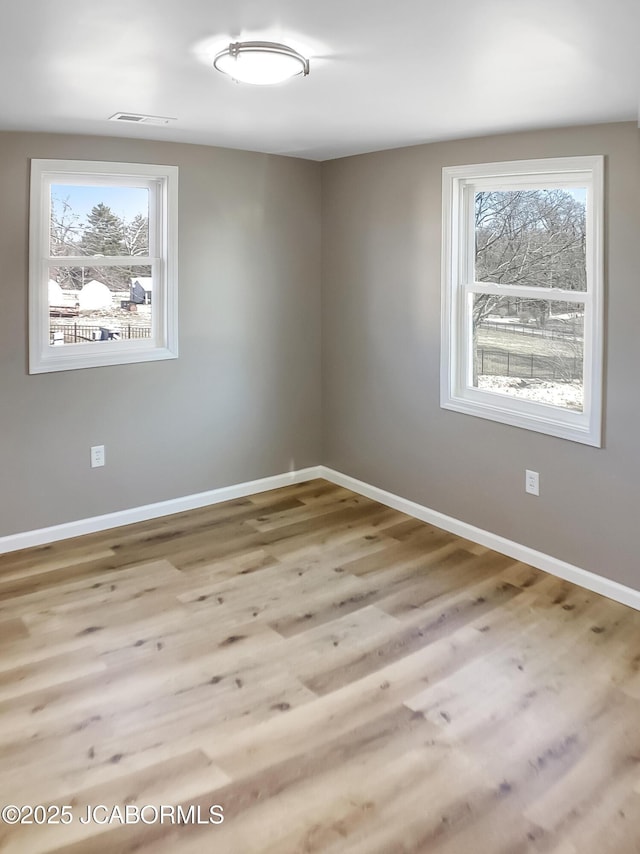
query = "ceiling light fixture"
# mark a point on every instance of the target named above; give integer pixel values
(260, 63)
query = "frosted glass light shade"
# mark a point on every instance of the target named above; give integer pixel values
(260, 63)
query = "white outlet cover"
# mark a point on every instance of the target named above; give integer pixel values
(532, 482)
(97, 456)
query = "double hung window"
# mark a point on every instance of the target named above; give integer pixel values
(522, 320)
(103, 264)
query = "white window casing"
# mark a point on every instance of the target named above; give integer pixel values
(457, 392)
(162, 185)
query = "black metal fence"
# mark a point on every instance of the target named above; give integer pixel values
(77, 333)
(505, 363)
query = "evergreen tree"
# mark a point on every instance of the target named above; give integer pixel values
(103, 233)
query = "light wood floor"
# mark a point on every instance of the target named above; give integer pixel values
(337, 676)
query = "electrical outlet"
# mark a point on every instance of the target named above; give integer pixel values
(532, 482)
(97, 456)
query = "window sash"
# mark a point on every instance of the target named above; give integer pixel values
(471, 392)
(89, 179)
(158, 327)
(525, 292)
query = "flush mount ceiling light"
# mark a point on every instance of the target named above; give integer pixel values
(261, 63)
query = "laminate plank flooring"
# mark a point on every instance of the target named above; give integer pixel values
(336, 676)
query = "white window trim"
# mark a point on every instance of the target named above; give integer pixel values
(455, 391)
(163, 237)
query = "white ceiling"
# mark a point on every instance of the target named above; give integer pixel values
(384, 73)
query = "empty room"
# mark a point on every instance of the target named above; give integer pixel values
(319, 476)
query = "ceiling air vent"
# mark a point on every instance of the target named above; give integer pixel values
(140, 119)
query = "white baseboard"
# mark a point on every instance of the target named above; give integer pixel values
(567, 571)
(561, 569)
(42, 536)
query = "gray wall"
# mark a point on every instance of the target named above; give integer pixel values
(243, 399)
(381, 351)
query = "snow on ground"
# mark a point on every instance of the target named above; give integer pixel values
(114, 316)
(566, 395)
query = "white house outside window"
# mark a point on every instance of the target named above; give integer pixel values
(522, 321)
(103, 264)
